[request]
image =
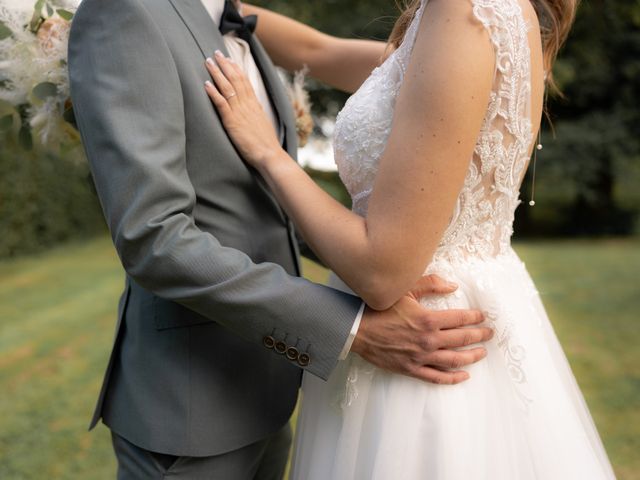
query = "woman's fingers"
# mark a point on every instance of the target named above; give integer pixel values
(232, 72)
(223, 85)
(240, 111)
(217, 98)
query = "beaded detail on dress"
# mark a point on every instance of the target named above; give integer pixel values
(482, 221)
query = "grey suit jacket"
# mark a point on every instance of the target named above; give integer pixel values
(215, 322)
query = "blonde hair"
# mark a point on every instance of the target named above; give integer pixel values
(555, 17)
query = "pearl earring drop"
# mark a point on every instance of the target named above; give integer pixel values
(532, 202)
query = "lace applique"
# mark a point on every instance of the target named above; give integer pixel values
(481, 224)
(357, 368)
(514, 355)
(483, 218)
(364, 124)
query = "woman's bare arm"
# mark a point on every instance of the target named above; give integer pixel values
(437, 120)
(339, 62)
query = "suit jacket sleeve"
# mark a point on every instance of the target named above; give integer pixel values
(127, 99)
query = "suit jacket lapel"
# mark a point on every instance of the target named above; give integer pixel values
(279, 98)
(208, 38)
(199, 23)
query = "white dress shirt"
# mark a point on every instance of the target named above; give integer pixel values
(240, 53)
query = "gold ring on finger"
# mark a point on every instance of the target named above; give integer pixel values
(231, 95)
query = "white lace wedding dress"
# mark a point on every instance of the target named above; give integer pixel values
(521, 416)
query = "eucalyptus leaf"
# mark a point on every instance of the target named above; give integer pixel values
(25, 139)
(45, 89)
(38, 7)
(5, 32)
(36, 22)
(6, 122)
(36, 19)
(65, 14)
(50, 10)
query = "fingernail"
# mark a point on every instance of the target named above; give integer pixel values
(218, 54)
(452, 284)
(208, 83)
(210, 61)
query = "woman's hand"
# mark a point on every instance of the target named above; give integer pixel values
(242, 114)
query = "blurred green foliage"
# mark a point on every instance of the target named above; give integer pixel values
(370, 19)
(595, 157)
(587, 174)
(44, 200)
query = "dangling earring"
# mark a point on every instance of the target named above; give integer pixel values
(532, 202)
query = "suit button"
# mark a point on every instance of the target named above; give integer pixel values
(269, 341)
(304, 359)
(281, 347)
(292, 354)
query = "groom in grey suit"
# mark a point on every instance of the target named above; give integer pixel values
(215, 323)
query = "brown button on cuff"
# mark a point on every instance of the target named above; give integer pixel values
(269, 341)
(292, 354)
(304, 359)
(281, 347)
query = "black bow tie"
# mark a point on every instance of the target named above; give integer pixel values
(232, 21)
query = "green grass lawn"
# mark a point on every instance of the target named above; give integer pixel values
(57, 316)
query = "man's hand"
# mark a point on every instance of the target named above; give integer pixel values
(413, 341)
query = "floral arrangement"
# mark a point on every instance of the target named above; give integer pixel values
(34, 84)
(35, 107)
(299, 98)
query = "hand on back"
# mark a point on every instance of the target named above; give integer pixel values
(414, 341)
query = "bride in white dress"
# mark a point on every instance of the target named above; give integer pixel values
(433, 147)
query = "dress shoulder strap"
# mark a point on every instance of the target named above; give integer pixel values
(511, 98)
(508, 31)
(410, 36)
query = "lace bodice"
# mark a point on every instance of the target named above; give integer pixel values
(481, 224)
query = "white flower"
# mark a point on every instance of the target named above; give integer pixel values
(28, 59)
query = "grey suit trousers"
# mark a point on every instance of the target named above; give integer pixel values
(265, 459)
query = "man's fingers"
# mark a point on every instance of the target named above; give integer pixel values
(432, 285)
(455, 359)
(445, 319)
(461, 337)
(433, 375)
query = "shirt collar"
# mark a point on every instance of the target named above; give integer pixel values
(215, 9)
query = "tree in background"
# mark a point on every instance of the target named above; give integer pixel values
(588, 174)
(596, 153)
(45, 193)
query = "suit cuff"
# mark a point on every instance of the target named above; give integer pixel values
(352, 334)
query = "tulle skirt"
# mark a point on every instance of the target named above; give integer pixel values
(521, 415)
